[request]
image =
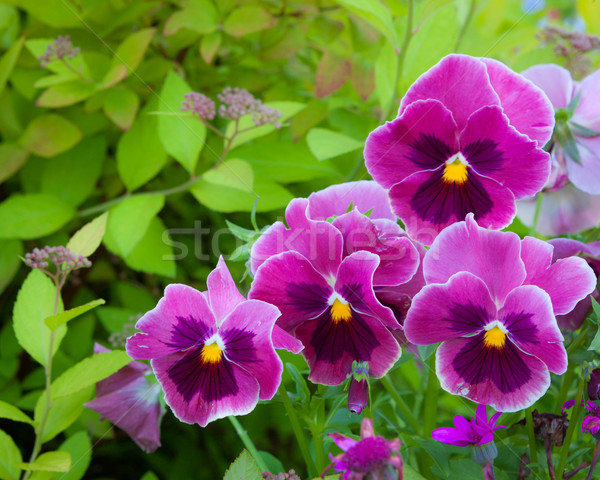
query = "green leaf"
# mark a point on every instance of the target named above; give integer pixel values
(59, 319)
(332, 73)
(326, 144)
(595, 345)
(241, 232)
(233, 174)
(37, 47)
(10, 251)
(149, 476)
(411, 474)
(200, 16)
(128, 221)
(376, 13)
(301, 387)
(10, 456)
(248, 19)
(12, 158)
(49, 462)
(69, 169)
(243, 468)
(128, 56)
(33, 215)
(63, 412)
(288, 109)
(35, 302)
(182, 136)
(583, 131)
(385, 76)
(49, 135)
(65, 94)
(567, 141)
(55, 13)
(88, 238)
(9, 60)
(80, 448)
(154, 252)
(13, 413)
(210, 45)
(121, 106)
(140, 154)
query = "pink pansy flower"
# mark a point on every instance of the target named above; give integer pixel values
(128, 400)
(491, 299)
(476, 432)
(212, 352)
(458, 145)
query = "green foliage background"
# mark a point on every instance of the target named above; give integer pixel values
(107, 135)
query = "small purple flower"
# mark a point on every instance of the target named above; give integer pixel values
(371, 457)
(199, 104)
(212, 351)
(237, 102)
(60, 49)
(491, 299)
(465, 433)
(590, 423)
(128, 400)
(458, 144)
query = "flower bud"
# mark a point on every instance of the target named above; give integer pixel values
(483, 454)
(593, 386)
(358, 394)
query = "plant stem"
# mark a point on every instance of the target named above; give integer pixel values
(431, 400)
(565, 386)
(317, 432)
(538, 206)
(76, 72)
(594, 460)
(300, 438)
(463, 30)
(564, 451)
(401, 404)
(548, 448)
(532, 440)
(248, 443)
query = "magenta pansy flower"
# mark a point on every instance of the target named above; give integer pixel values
(491, 299)
(475, 432)
(590, 423)
(131, 402)
(583, 121)
(468, 138)
(371, 457)
(321, 276)
(212, 352)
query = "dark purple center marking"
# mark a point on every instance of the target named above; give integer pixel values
(308, 299)
(429, 152)
(521, 327)
(189, 332)
(239, 346)
(484, 156)
(476, 363)
(466, 319)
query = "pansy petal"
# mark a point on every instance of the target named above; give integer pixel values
(206, 395)
(527, 315)
(481, 415)
(590, 424)
(494, 148)
(283, 340)
(451, 436)
(585, 175)
(423, 138)
(365, 195)
(465, 246)
(567, 247)
(586, 113)
(439, 312)
(554, 80)
(343, 442)
(223, 294)
(507, 379)
(526, 105)
(290, 282)
(460, 82)
(246, 333)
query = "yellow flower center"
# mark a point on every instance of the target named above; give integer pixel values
(340, 312)
(211, 353)
(494, 337)
(455, 172)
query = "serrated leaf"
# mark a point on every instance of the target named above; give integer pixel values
(49, 462)
(182, 137)
(10, 456)
(80, 448)
(233, 173)
(50, 134)
(200, 16)
(63, 412)
(13, 413)
(87, 239)
(33, 215)
(121, 106)
(35, 302)
(88, 372)
(12, 158)
(65, 94)
(248, 19)
(59, 319)
(243, 468)
(326, 144)
(9, 60)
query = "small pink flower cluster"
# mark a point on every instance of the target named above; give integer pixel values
(41, 258)
(59, 49)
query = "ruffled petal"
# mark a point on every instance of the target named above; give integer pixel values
(586, 113)
(554, 80)
(586, 175)
(223, 294)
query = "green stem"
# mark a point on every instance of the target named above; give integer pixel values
(565, 386)
(431, 400)
(317, 432)
(573, 421)
(79, 74)
(532, 440)
(463, 30)
(538, 206)
(401, 404)
(594, 460)
(300, 438)
(248, 443)
(579, 340)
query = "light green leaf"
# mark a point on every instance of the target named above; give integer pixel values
(595, 345)
(140, 154)
(49, 135)
(12, 158)
(55, 13)
(65, 94)
(149, 476)
(326, 144)
(10, 456)
(154, 252)
(49, 462)
(200, 16)
(385, 76)
(210, 45)
(244, 468)
(33, 215)
(377, 14)
(13, 413)
(59, 319)
(9, 60)
(10, 250)
(121, 106)
(289, 109)
(88, 238)
(182, 137)
(88, 372)
(37, 47)
(128, 221)
(411, 474)
(35, 302)
(63, 412)
(128, 56)
(80, 448)
(233, 174)
(248, 19)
